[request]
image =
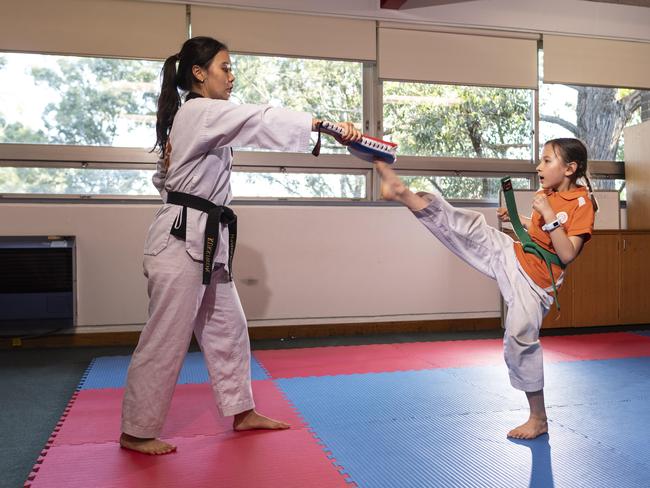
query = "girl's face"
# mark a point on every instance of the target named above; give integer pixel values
(217, 78)
(553, 172)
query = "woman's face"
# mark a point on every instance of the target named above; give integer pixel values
(217, 78)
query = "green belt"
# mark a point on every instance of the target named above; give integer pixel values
(527, 243)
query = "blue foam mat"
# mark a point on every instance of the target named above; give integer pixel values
(387, 396)
(110, 371)
(571, 381)
(445, 428)
(473, 451)
(625, 433)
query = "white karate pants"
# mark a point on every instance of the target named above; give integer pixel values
(180, 304)
(467, 234)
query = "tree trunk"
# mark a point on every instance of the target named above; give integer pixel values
(601, 119)
(645, 106)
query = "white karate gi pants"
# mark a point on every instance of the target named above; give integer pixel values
(179, 305)
(467, 234)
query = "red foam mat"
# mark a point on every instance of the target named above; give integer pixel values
(611, 345)
(261, 459)
(455, 354)
(322, 361)
(95, 414)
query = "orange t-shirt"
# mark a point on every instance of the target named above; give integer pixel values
(576, 214)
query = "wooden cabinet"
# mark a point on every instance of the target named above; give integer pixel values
(595, 281)
(608, 284)
(634, 290)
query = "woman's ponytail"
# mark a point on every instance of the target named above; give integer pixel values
(168, 103)
(197, 51)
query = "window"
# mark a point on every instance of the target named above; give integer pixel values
(283, 184)
(330, 90)
(595, 115)
(81, 101)
(458, 121)
(484, 188)
(133, 182)
(76, 181)
(610, 184)
(603, 113)
(77, 100)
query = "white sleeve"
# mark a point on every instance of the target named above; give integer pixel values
(256, 126)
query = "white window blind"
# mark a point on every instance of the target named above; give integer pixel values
(116, 28)
(463, 59)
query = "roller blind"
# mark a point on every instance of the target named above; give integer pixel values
(256, 32)
(597, 62)
(119, 28)
(413, 55)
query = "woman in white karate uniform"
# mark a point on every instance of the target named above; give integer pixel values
(189, 248)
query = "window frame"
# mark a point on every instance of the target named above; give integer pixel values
(67, 156)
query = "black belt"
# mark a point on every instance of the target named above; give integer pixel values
(216, 214)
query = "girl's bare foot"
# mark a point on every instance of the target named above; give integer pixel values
(534, 427)
(392, 187)
(146, 446)
(251, 420)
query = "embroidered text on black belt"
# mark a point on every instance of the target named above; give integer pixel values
(216, 214)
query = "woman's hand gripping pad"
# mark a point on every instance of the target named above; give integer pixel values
(368, 148)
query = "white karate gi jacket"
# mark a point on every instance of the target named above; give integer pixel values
(201, 138)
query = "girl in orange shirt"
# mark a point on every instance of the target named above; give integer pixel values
(562, 221)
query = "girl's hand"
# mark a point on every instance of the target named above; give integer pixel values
(350, 133)
(541, 205)
(503, 215)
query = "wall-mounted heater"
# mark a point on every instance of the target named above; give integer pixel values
(37, 284)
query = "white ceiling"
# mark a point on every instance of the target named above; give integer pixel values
(596, 18)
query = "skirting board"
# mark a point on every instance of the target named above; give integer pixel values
(261, 333)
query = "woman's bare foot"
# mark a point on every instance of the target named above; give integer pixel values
(146, 446)
(251, 420)
(534, 427)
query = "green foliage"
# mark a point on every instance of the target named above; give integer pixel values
(458, 121)
(17, 132)
(94, 96)
(305, 185)
(75, 181)
(463, 187)
(329, 90)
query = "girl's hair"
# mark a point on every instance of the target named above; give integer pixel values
(197, 51)
(573, 150)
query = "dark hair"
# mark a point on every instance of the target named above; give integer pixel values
(573, 150)
(197, 51)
